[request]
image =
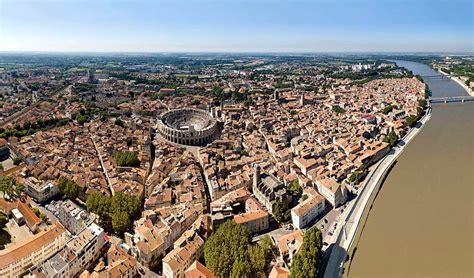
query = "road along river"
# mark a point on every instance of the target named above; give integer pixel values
(421, 223)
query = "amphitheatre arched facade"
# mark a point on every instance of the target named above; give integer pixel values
(187, 126)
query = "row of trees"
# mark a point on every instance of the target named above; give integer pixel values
(117, 212)
(230, 253)
(358, 175)
(29, 128)
(306, 262)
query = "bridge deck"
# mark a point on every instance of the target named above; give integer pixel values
(450, 99)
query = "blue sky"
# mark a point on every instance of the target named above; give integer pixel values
(237, 25)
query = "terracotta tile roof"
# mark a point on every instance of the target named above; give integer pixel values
(30, 245)
(198, 270)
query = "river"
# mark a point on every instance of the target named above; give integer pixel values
(422, 221)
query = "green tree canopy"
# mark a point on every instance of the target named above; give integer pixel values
(119, 122)
(411, 120)
(390, 138)
(120, 221)
(295, 188)
(11, 188)
(387, 109)
(338, 109)
(3, 220)
(68, 188)
(126, 159)
(306, 262)
(230, 253)
(118, 211)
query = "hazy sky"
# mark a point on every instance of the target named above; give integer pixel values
(237, 25)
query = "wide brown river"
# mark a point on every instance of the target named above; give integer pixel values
(422, 221)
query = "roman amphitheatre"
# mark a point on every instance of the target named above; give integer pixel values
(187, 126)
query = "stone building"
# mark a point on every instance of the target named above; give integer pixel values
(269, 190)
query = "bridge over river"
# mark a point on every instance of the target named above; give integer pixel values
(435, 77)
(450, 99)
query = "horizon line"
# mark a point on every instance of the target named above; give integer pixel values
(462, 53)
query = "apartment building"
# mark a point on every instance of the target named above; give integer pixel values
(73, 217)
(77, 255)
(16, 259)
(40, 191)
(307, 210)
(335, 193)
(179, 259)
(85, 248)
(256, 221)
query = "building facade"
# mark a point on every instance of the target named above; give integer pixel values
(73, 217)
(40, 191)
(187, 126)
(16, 259)
(269, 190)
(335, 193)
(255, 221)
(307, 210)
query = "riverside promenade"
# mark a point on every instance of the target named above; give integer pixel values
(459, 81)
(353, 215)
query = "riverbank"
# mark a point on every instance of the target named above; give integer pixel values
(459, 81)
(410, 230)
(353, 215)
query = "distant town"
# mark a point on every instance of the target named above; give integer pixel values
(193, 165)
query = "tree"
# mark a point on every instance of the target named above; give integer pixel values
(239, 270)
(267, 245)
(119, 210)
(43, 217)
(411, 120)
(387, 109)
(81, 119)
(230, 253)
(36, 211)
(120, 221)
(119, 122)
(16, 161)
(11, 188)
(306, 262)
(427, 91)
(278, 211)
(248, 102)
(422, 103)
(3, 220)
(258, 260)
(390, 138)
(126, 159)
(98, 203)
(338, 109)
(68, 188)
(295, 188)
